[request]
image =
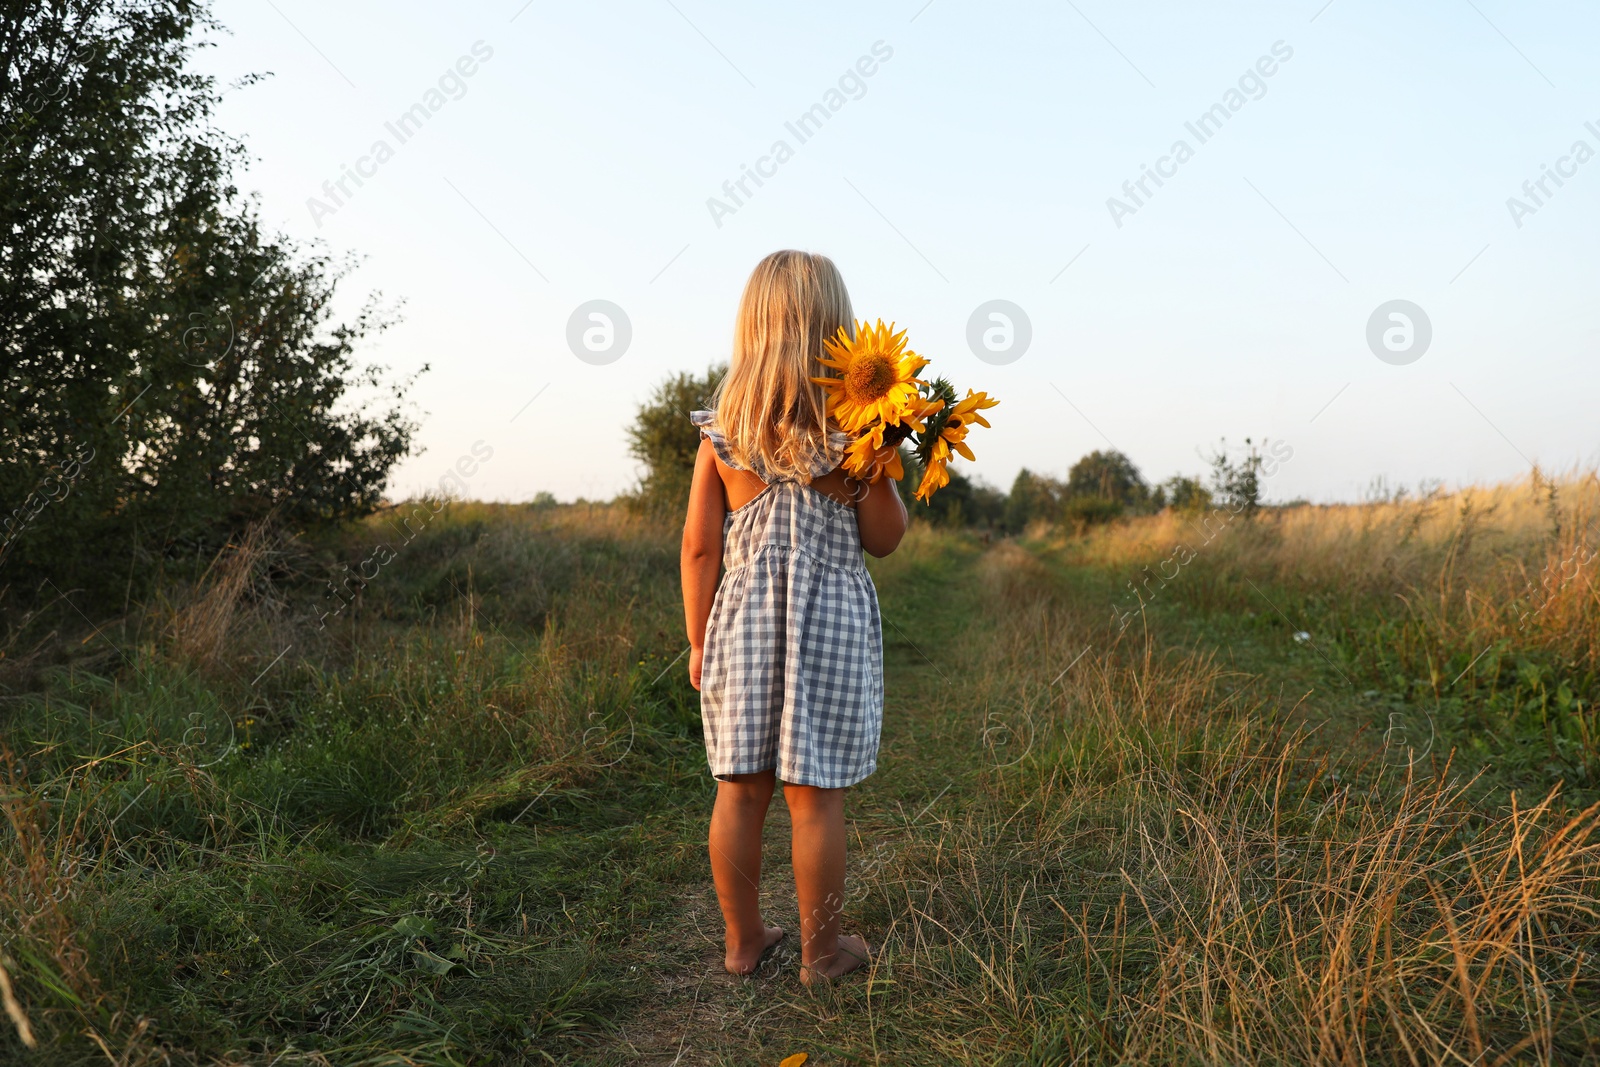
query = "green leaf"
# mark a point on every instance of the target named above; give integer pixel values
(415, 926)
(432, 962)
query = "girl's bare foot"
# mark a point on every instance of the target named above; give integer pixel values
(850, 954)
(745, 960)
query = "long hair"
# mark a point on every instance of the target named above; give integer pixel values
(773, 415)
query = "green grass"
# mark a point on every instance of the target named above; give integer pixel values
(465, 825)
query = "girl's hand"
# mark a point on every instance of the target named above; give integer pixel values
(695, 656)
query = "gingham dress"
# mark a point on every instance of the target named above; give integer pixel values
(792, 676)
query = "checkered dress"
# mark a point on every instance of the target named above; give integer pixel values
(792, 677)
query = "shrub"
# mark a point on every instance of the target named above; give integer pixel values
(1236, 483)
(665, 441)
(1091, 510)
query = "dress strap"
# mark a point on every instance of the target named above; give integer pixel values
(707, 421)
(820, 465)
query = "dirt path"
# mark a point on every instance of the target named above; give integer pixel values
(929, 752)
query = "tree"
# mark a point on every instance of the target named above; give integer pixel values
(1186, 494)
(963, 502)
(181, 363)
(1101, 486)
(1108, 476)
(666, 442)
(1032, 497)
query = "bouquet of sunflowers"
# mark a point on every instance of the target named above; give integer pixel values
(879, 400)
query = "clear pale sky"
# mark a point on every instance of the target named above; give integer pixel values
(975, 162)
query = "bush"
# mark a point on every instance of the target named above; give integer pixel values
(1236, 482)
(666, 442)
(1091, 510)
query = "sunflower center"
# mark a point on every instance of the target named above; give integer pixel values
(868, 379)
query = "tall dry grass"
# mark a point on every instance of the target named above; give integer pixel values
(1113, 847)
(202, 626)
(1480, 606)
(1174, 873)
(47, 869)
(1514, 563)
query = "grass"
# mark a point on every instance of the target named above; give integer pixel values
(1326, 798)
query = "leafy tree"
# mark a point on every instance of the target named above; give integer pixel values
(1033, 496)
(907, 486)
(1186, 494)
(1109, 476)
(665, 441)
(181, 363)
(1101, 486)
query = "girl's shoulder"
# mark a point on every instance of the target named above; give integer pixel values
(707, 421)
(823, 463)
(739, 486)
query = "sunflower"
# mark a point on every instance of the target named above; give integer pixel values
(960, 417)
(948, 434)
(877, 376)
(934, 475)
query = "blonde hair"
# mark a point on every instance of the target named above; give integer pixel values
(771, 412)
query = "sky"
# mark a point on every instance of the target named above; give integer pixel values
(1353, 256)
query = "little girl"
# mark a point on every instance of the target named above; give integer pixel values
(786, 651)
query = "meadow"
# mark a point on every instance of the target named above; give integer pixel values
(1323, 793)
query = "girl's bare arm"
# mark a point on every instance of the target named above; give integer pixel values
(701, 562)
(881, 515)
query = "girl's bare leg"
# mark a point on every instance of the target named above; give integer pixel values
(818, 854)
(736, 822)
